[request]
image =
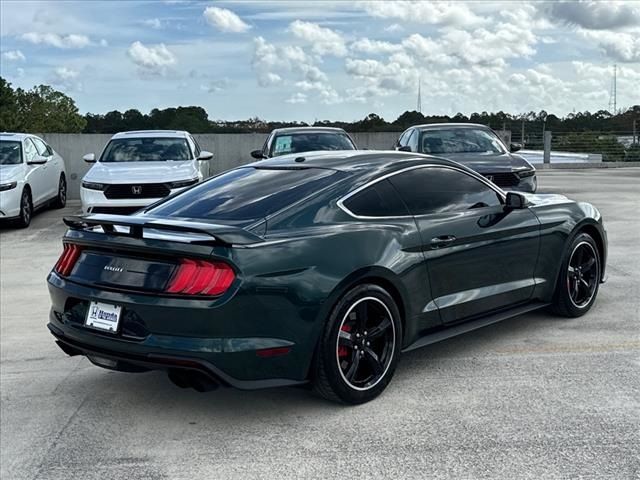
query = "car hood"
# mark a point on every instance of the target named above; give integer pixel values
(490, 162)
(141, 172)
(9, 173)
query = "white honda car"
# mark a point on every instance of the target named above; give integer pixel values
(32, 176)
(138, 168)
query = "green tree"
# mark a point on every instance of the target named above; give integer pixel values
(9, 118)
(43, 109)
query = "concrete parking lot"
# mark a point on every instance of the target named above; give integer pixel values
(533, 397)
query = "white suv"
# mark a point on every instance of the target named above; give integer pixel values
(138, 168)
(32, 175)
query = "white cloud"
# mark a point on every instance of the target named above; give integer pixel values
(216, 86)
(366, 45)
(620, 46)
(152, 59)
(297, 98)
(394, 28)
(431, 13)
(154, 23)
(13, 56)
(66, 78)
(225, 20)
(323, 41)
(59, 41)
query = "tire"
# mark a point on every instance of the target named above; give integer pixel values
(26, 209)
(360, 346)
(61, 199)
(579, 278)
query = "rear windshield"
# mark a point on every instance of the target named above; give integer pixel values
(10, 153)
(146, 150)
(247, 193)
(308, 142)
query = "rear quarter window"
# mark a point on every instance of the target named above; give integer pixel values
(378, 200)
(247, 193)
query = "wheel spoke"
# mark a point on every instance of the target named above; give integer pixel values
(345, 338)
(574, 289)
(374, 361)
(585, 284)
(379, 329)
(353, 368)
(578, 258)
(361, 316)
(572, 270)
(588, 265)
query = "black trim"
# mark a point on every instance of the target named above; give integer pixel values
(164, 362)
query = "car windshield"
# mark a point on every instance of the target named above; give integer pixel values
(247, 193)
(10, 153)
(459, 140)
(146, 150)
(308, 142)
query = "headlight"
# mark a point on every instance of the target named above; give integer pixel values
(7, 186)
(183, 183)
(94, 185)
(526, 173)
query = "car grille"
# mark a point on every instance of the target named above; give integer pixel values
(503, 179)
(115, 210)
(143, 190)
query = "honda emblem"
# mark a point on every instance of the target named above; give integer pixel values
(136, 189)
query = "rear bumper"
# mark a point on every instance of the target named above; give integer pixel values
(229, 341)
(128, 362)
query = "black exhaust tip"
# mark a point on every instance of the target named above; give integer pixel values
(193, 379)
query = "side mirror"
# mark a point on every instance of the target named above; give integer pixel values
(89, 158)
(204, 155)
(258, 154)
(515, 201)
(37, 160)
(514, 147)
(404, 148)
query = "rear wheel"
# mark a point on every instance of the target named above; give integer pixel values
(26, 209)
(61, 199)
(579, 280)
(360, 346)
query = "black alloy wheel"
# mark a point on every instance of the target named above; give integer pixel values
(26, 209)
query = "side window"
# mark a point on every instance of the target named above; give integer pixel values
(29, 150)
(41, 147)
(403, 138)
(413, 140)
(438, 190)
(378, 200)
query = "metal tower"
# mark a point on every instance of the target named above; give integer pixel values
(419, 95)
(613, 107)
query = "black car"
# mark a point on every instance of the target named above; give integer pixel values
(283, 141)
(319, 268)
(476, 146)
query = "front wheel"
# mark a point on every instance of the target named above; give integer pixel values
(360, 346)
(579, 278)
(26, 209)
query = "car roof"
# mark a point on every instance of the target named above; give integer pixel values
(291, 130)
(436, 126)
(151, 134)
(7, 136)
(352, 160)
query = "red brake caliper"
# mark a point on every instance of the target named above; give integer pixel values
(342, 350)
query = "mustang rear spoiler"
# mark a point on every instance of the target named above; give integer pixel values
(227, 234)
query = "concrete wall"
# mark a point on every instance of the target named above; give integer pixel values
(229, 149)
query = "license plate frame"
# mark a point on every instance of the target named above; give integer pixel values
(104, 317)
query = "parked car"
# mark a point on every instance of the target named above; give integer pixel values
(139, 168)
(32, 176)
(319, 268)
(283, 141)
(476, 146)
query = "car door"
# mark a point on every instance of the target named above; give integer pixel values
(36, 174)
(51, 169)
(480, 256)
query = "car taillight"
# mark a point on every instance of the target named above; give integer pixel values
(68, 259)
(199, 277)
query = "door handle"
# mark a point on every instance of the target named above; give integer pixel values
(442, 241)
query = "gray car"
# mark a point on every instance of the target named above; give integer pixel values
(476, 146)
(283, 141)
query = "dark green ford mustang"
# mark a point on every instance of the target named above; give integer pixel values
(321, 269)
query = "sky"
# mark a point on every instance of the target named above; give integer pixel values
(323, 60)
